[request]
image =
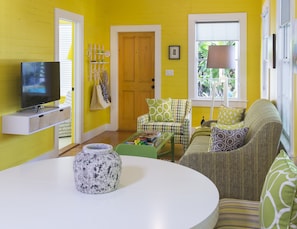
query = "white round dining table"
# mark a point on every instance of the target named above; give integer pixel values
(152, 194)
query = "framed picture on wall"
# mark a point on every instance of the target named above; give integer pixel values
(174, 52)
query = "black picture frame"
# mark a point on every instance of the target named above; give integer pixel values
(174, 52)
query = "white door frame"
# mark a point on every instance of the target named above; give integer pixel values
(78, 21)
(114, 68)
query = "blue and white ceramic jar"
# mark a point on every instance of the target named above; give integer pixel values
(97, 169)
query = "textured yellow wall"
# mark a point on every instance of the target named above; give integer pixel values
(27, 33)
(173, 18)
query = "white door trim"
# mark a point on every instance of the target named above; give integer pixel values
(78, 20)
(114, 30)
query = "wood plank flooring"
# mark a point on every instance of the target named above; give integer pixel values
(114, 138)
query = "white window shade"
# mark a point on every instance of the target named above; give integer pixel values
(217, 31)
(285, 12)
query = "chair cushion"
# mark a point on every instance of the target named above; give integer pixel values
(227, 140)
(160, 110)
(173, 127)
(236, 213)
(278, 203)
(229, 115)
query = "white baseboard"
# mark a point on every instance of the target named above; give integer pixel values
(48, 155)
(93, 133)
(85, 137)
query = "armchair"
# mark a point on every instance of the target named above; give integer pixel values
(181, 126)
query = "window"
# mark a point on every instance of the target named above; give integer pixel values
(216, 29)
(285, 73)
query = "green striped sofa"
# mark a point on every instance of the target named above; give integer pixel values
(181, 126)
(235, 213)
(277, 207)
(240, 173)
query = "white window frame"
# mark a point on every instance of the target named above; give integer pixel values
(266, 51)
(285, 85)
(241, 101)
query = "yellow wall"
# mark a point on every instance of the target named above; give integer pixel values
(173, 18)
(27, 33)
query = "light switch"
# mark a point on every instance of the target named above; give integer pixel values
(169, 72)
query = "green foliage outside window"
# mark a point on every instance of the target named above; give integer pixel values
(207, 76)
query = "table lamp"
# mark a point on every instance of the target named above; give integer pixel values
(221, 57)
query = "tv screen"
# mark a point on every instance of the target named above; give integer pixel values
(40, 83)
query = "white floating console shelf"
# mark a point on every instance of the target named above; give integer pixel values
(29, 121)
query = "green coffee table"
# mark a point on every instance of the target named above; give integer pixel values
(146, 150)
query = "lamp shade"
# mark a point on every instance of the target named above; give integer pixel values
(221, 56)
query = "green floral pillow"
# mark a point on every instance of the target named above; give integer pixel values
(229, 115)
(160, 110)
(278, 202)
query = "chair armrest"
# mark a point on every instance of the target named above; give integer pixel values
(142, 120)
(187, 122)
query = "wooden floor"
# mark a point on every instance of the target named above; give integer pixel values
(113, 138)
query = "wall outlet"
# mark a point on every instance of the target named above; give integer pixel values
(169, 72)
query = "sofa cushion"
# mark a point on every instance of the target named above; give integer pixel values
(278, 203)
(237, 213)
(160, 110)
(227, 140)
(229, 115)
(228, 127)
(198, 144)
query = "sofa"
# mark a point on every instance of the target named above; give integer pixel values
(239, 173)
(181, 114)
(277, 207)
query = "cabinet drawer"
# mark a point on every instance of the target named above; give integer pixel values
(63, 114)
(39, 122)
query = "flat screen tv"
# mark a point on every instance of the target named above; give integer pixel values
(40, 83)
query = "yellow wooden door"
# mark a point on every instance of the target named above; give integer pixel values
(136, 76)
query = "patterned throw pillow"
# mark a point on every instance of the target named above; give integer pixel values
(160, 110)
(227, 140)
(278, 202)
(229, 115)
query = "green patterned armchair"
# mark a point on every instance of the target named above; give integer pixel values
(181, 110)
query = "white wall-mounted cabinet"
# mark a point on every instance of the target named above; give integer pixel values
(29, 121)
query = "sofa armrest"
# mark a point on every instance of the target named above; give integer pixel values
(239, 173)
(230, 171)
